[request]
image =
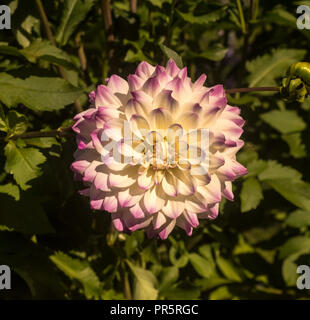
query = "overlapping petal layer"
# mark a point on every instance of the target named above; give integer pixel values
(158, 151)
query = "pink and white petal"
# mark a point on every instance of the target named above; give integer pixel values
(145, 180)
(118, 84)
(126, 199)
(151, 87)
(216, 161)
(169, 185)
(172, 69)
(162, 76)
(168, 227)
(114, 128)
(189, 120)
(118, 222)
(181, 91)
(134, 225)
(90, 172)
(229, 128)
(110, 204)
(152, 201)
(80, 166)
(160, 118)
(96, 139)
(159, 220)
(173, 209)
(106, 113)
(192, 219)
(186, 184)
(199, 82)
(184, 224)
(212, 192)
(114, 163)
(101, 182)
(96, 204)
(227, 191)
(120, 181)
(135, 82)
(139, 125)
(145, 102)
(194, 206)
(145, 70)
(165, 100)
(131, 150)
(137, 210)
(105, 97)
(183, 74)
(213, 211)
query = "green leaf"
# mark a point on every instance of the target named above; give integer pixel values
(299, 244)
(73, 14)
(79, 270)
(145, 283)
(13, 123)
(37, 93)
(206, 252)
(297, 148)
(26, 215)
(17, 123)
(256, 167)
(177, 293)
(202, 266)
(31, 262)
(221, 293)
(169, 275)
(10, 189)
(289, 272)
(205, 19)
(275, 170)
(178, 258)
(229, 270)
(26, 28)
(265, 69)
(23, 163)
(251, 194)
(247, 155)
(298, 219)
(44, 50)
(285, 121)
(44, 142)
(158, 3)
(280, 16)
(171, 54)
(9, 50)
(214, 53)
(3, 121)
(297, 192)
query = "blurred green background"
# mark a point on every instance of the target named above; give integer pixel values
(56, 246)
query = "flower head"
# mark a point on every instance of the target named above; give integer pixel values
(158, 151)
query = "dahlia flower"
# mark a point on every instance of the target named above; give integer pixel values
(158, 151)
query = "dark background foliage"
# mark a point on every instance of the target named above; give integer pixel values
(56, 246)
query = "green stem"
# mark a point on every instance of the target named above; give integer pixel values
(234, 90)
(255, 9)
(127, 289)
(45, 22)
(242, 20)
(61, 132)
